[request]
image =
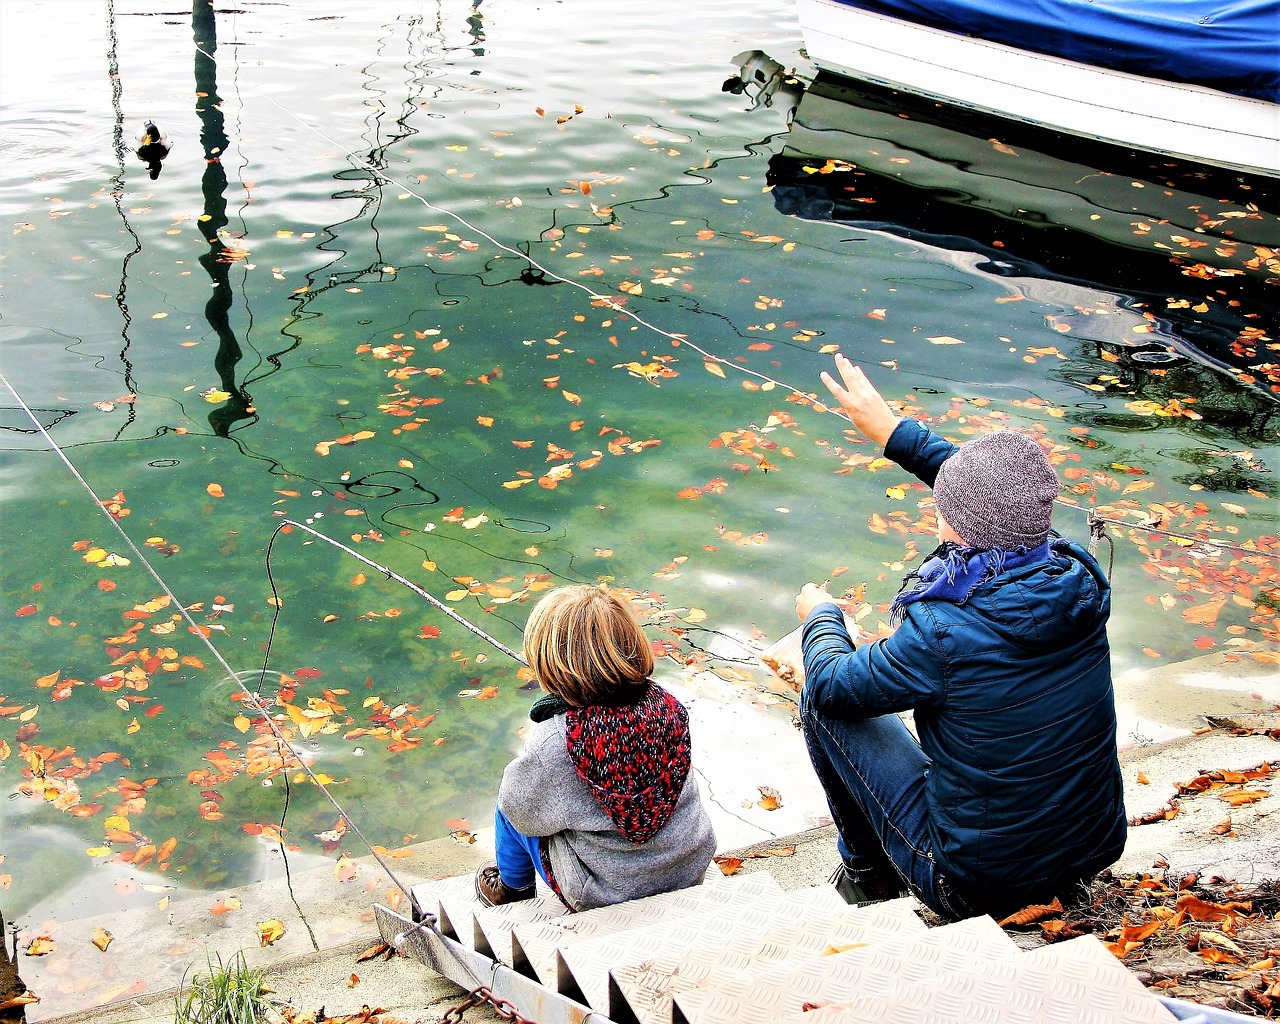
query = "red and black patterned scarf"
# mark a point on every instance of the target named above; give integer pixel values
(634, 758)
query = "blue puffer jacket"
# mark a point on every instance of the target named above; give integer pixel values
(1013, 705)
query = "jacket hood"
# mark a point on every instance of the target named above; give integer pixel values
(1048, 602)
(635, 759)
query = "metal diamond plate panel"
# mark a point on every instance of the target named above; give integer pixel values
(536, 943)
(1053, 985)
(643, 991)
(871, 971)
(589, 960)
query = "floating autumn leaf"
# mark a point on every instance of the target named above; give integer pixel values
(102, 938)
(428, 632)
(713, 367)
(215, 491)
(945, 339)
(728, 865)
(770, 799)
(269, 932)
(1205, 614)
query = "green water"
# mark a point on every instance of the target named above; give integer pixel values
(227, 346)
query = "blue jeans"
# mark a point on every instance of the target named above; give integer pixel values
(519, 856)
(873, 773)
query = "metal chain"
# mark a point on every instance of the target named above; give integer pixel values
(478, 996)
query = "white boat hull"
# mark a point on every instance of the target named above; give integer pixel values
(1173, 118)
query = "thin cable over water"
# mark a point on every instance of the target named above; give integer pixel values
(202, 634)
(678, 339)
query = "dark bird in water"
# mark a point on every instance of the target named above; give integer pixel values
(152, 147)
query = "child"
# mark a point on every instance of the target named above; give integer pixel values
(602, 803)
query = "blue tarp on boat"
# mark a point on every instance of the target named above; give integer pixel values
(1231, 45)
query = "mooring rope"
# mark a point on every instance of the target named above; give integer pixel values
(391, 574)
(598, 298)
(678, 339)
(202, 633)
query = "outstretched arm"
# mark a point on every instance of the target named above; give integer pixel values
(858, 397)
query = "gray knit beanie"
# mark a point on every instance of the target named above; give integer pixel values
(997, 491)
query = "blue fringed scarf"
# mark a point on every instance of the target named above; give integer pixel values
(953, 572)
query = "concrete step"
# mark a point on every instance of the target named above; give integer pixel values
(642, 992)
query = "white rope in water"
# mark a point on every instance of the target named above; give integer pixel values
(391, 574)
(606, 301)
(202, 634)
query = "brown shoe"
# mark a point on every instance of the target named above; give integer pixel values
(492, 891)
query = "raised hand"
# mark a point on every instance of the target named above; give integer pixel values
(861, 401)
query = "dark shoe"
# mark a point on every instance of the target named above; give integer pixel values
(859, 893)
(492, 891)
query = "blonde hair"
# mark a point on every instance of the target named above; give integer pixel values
(585, 646)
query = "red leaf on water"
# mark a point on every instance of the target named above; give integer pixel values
(26, 609)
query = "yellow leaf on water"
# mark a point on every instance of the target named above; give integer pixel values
(241, 723)
(215, 491)
(713, 367)
(945, 339)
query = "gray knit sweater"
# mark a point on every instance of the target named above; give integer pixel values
(594, 864)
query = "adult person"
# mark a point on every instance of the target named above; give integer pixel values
(1013, 794)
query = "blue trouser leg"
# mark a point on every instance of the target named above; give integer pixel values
(873, 773)
(519, 856)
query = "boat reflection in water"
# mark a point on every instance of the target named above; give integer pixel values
(1157, 262)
